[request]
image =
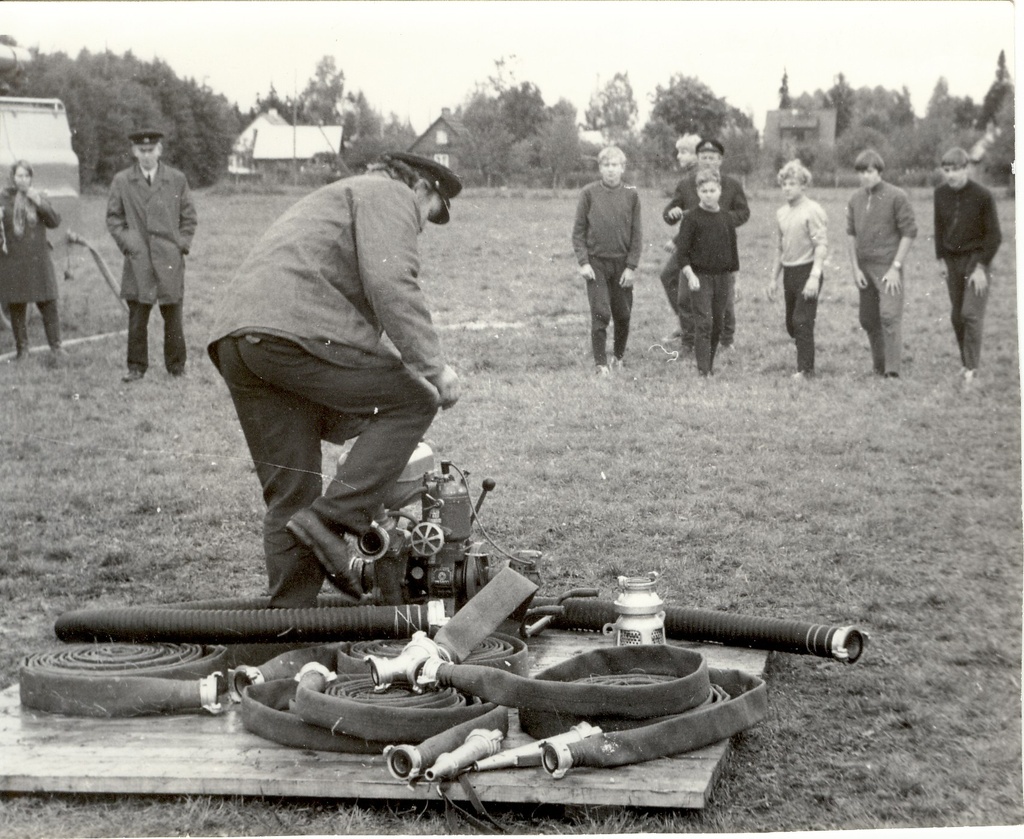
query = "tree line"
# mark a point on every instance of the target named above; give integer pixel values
(513, 135)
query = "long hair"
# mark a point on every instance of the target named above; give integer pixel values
(24, 210)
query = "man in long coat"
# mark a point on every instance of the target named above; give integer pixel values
(152, 218)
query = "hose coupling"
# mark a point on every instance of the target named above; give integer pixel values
(314, 676)
(210, 687)
(240, 678)
(555, 756)
(404, 762)
(406, 666)
(374, 543)
(479, 744)
(429, 676)
(848, 643)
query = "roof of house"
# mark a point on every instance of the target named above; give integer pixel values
(282, 142)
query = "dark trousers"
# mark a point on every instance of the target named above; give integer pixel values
(684, 303)
(800, 313)
(19, 323)
(138, 336)
(881, 316)
(709, 304)
(670, 282)
(287, 402)
(967, 310)
(609, 303)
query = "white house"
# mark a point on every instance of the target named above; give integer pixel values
(269, 141)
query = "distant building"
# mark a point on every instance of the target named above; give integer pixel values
(270, 145)
(444, 141)
(785, 130)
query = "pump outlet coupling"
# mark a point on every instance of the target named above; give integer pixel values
(240, 678)
(479, 744)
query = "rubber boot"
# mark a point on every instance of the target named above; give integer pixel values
(19, 326)
(51, 325)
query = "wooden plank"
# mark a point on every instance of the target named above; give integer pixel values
(215, 755)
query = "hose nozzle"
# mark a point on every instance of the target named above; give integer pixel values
(479, 744)
(555, 756)
(406, 665)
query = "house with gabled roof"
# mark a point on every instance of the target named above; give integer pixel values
(270, 144)
(444, 140)
(785, 130)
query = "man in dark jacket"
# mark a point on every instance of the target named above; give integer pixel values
(152, 218)
(734, 204)
(967, 236)
(324, 334)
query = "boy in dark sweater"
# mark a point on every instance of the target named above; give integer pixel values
(708, 258)
(967, 236)
(607, 238)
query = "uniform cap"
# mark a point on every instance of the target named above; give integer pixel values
(146, 136)
(710, 145)
(443, 180)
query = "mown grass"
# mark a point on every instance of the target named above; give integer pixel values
(892, 505)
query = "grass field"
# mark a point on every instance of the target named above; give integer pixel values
(895, 505)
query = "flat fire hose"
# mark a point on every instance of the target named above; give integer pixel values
(349, 715)
(122, 680)
(622, 691)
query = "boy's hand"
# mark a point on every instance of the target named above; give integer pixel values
(587, 273)
(772, 289)
(693, 282)
(670, 246)
(812, 287)
(628, 278)
(943, 271)
(860, 279)
(978, 280)
(675, 213)
(892, 280)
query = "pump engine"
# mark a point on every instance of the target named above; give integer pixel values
(422, 547)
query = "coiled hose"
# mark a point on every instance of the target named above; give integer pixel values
(844, 643)
(124, 680)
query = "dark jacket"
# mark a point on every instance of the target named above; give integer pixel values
(153, 227)
(733, 201)
(26, 270)
(966, 223)
(338, 273)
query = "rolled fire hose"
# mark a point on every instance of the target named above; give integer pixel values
(129, 680)
(844, 643)
(268, 707)
(649, 701)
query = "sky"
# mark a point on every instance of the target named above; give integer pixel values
(414, 58)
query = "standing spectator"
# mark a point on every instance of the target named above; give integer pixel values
(26, 270)
(708, 258)
(152, 218)
(800, 256)
(733, 202)
(967, 236)
(881, 228)
(324, 334)
(686, 156)
(607, 239)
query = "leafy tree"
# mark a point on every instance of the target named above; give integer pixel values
(1000, 88)
(322, 98)
(840, 97)
(784, 101)
(272, 101)
(861, 137)
(881, 109)
(658, 145)
(958, 112)
(999, 159)
(613, 110)
(489, 142)
(522, 110)
(558, 149)
(691, 107)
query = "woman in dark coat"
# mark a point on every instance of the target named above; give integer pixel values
(26, 270)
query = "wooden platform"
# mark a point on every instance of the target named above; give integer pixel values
(215, 755)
